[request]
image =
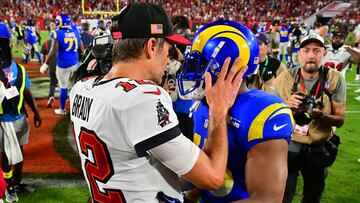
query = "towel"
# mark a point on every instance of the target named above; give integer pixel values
(2, 92)
(11, 144)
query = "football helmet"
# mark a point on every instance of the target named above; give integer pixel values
(63, 20)
(211, 45)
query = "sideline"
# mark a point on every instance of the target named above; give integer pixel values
(352, 112)
(55, 183)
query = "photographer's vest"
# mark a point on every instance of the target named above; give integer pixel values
(14, 105)
(267, 72)
(319, 131)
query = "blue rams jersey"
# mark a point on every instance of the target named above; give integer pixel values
(182, 106)
(12, 73)
(69, 42)
(77, 28)
(4, 31)
(31, 34)
(284, 34)
(261, 27)
(255, 117)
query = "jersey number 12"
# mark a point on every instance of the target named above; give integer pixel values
(100, 169)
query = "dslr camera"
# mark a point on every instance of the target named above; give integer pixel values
(304, 115)
(97, 59)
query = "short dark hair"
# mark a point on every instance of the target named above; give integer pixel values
(85, 26)
(127, 50)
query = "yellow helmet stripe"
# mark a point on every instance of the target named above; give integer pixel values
(257, 126)
(201, 39)
(60, 20)
(242, 46)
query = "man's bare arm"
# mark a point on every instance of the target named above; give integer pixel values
(266, 172)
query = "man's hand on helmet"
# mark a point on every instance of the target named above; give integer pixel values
(221, 96)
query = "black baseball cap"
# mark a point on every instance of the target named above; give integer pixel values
(144, 20)
(262, 38)
(5, 53)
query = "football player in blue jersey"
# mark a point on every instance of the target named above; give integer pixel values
(259, 124)
(284, 43)
(66, 44)
(296, 36)
(31, 39)
(76, 25)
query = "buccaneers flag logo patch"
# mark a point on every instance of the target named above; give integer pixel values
(162, 114)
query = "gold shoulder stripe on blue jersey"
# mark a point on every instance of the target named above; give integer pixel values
(285, 110)
(257, 126)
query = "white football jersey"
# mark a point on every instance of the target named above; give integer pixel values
(115, 123)
(337, 59)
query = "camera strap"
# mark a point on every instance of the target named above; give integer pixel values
(317, 89)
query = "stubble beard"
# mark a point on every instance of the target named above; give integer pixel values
(311, 67)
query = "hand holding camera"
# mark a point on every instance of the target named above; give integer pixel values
(317, 113)
(305, 112)
(294, 101)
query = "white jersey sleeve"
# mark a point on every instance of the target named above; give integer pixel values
(178, 154)
(150, 119)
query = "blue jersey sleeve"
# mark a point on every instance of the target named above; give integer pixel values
(273, 122)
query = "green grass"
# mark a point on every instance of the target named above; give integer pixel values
(18, 49)
(342, 183)
(56, 195)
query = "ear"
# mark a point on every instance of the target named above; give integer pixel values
(268, 48)
(150, 48)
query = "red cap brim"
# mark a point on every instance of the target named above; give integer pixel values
(178, 39)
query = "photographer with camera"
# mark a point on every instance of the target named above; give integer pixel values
(316, 95)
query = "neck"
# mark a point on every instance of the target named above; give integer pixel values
(243, 88)
(134, 70)
(309, 76)
(262, 58)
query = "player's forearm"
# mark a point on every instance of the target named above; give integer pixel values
(50, 58)
(216, 146)
(355, 56)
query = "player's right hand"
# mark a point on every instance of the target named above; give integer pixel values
(221, 96)
(43, 68)
(294, 101)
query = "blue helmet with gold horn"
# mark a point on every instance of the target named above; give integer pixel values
(211, 45)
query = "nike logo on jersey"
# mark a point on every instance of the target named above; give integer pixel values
(276, 128)
(157, 92)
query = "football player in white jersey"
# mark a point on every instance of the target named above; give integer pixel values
(126, 131)
(338, 56)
